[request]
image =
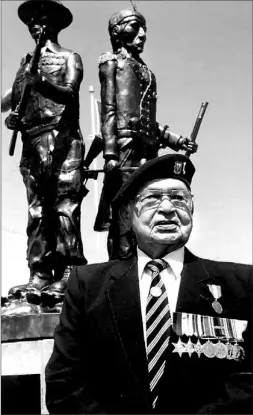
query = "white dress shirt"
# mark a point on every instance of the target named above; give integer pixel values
(170, 279)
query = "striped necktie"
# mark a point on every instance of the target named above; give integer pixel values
(158, 322)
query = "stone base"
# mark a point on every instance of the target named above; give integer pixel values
(27, 344)
(34, 326)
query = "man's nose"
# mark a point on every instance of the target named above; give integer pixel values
(142, 32)
(166, 205)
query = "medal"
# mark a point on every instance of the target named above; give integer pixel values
(198, 348)
(215, 290)
(179, 347)
(230, 350)
(189, 347)
(221, 350)
(217, 307)
(238, 352)
(209, 349)
(155, 291)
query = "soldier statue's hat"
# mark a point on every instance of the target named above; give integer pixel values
(125, 15)
(169, 166)
(53, 8)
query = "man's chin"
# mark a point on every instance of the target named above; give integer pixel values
(165, 238)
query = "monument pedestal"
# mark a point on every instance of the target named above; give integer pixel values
(27, 344)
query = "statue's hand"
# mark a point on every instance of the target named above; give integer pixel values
(32, 79)
(110, 165)
(12, 121)
(186, 144)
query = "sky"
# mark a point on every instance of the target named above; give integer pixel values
(199, 51)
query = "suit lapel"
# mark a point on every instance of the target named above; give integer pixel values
(194, 295)
(124, 297)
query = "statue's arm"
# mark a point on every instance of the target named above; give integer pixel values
(168, 138)
(107, 76)
(73, 78)
(6, 100)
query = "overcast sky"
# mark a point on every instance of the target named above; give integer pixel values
(199, 51)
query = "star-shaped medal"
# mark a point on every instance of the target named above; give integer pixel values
(198, 348)
(179, 347)
(189, 347)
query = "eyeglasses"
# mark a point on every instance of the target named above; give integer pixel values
(180, 199)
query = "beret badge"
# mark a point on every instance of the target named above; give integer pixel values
(179, 168)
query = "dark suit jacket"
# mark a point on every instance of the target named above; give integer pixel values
(99, 362)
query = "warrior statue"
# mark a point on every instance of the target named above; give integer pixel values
(131, 134)
(52, 155)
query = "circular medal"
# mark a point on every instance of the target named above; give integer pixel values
(217, 307)
(155, 291)
(230, 351)
(209, 349)
(221, 350)
(238, 353)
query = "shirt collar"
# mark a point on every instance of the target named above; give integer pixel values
(175, 259)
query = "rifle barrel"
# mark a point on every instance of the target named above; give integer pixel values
(197, 124)
(13, 142)
(27, 89)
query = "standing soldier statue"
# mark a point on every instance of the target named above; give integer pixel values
(45, 108)
(131, 134)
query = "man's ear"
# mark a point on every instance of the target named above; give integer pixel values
(192, 207)
(115, 31)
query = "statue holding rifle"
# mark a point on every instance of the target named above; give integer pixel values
(45, 109)
(131, 134)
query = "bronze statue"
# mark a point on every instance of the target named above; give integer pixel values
(53, 152)
(6, 100)
(130, 131)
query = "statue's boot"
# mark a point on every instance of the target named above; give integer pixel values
(55, 292)
(32, 290)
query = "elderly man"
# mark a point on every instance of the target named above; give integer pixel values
(130, 131)
(53, 152)
(161, 332)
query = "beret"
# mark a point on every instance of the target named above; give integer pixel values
(169, 166)
(54, 8)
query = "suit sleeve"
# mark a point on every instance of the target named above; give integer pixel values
(67, 385)
(107, 76)
(237, 397)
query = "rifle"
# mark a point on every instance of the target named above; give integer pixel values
(97, 144)
(95, 149)
(197, 125)
(93, 174)
(27, 88)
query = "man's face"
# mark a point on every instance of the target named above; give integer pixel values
(134, 34)
(36, 24)
(162, 213)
